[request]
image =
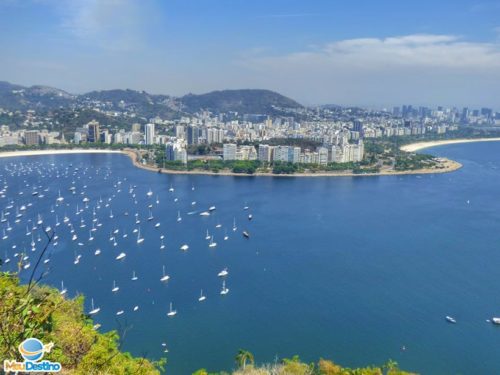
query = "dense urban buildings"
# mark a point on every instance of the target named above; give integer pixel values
(340, 133)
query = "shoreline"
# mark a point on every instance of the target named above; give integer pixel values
(448, 165)
(412, 147)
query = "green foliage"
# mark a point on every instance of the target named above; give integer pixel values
(294, 366)
(407, 161)
(43, 313)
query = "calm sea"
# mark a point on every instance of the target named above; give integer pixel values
(360, 270)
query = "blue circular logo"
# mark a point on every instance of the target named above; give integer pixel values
(31, 349)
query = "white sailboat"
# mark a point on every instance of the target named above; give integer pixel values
(179, 218)
(94, 310)
(97, 252)
(223, 273)
(184, 247)
(224, 290)
(207, 237)
(171, 312)
(162, 246)
(116, 288)
(212, 243)
(234, 225)
(165, 277)
(134, 276)
(139, 238)
(63, 289)
(121, 256)
(202, 297)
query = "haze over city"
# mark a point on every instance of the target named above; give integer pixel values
(372, 54)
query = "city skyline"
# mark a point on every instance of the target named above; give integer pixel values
(316, 52)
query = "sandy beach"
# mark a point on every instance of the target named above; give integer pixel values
(412, 147)
(447, 165)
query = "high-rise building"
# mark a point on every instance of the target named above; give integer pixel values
(281, 153)
(31, 137)
(192, 135)
(358, 127)
(175, 152)
(265, 153)
(149, 135)
(180, 132)
(322, 155)
(136, 127)
(229, 151)
(93, 131)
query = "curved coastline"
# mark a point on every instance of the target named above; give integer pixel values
(412, 147)
(448, 165)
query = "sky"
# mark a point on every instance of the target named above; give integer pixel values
(367, 53)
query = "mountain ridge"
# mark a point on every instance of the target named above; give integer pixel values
(245, 101)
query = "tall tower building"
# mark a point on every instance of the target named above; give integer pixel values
(149, 131)
(94, 131)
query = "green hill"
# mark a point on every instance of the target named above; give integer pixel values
(248, 101)
(43, 313)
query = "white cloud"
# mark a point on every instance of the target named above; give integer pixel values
(110, 24)
(421, 67)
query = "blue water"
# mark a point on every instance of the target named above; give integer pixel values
(352, 269)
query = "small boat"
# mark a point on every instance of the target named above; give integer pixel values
(97, 252)
(162, 246)
(495, 321)
(116, 288)
(171, 188)
(246, 234)
(94, 310)
(224, 290)
(234, 225)
(119, 312)
(63, 289)
(134, 276)
(207, 236)
(165, 277)
(202, 297)
(136, 308)
(212, 243)
(149, 193)
(179, 218)
(223, 273)
(171, 312)
(211, 208)
(449, 319)
(250, 217)
(184, 247)
(121, 256)
(205, 213)
(157, 225)
(139, 238)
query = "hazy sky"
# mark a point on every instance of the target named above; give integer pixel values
(369, 53)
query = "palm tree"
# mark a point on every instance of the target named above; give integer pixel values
(242, 357)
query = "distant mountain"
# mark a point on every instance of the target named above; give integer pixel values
(16, 97)
(242, 101)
